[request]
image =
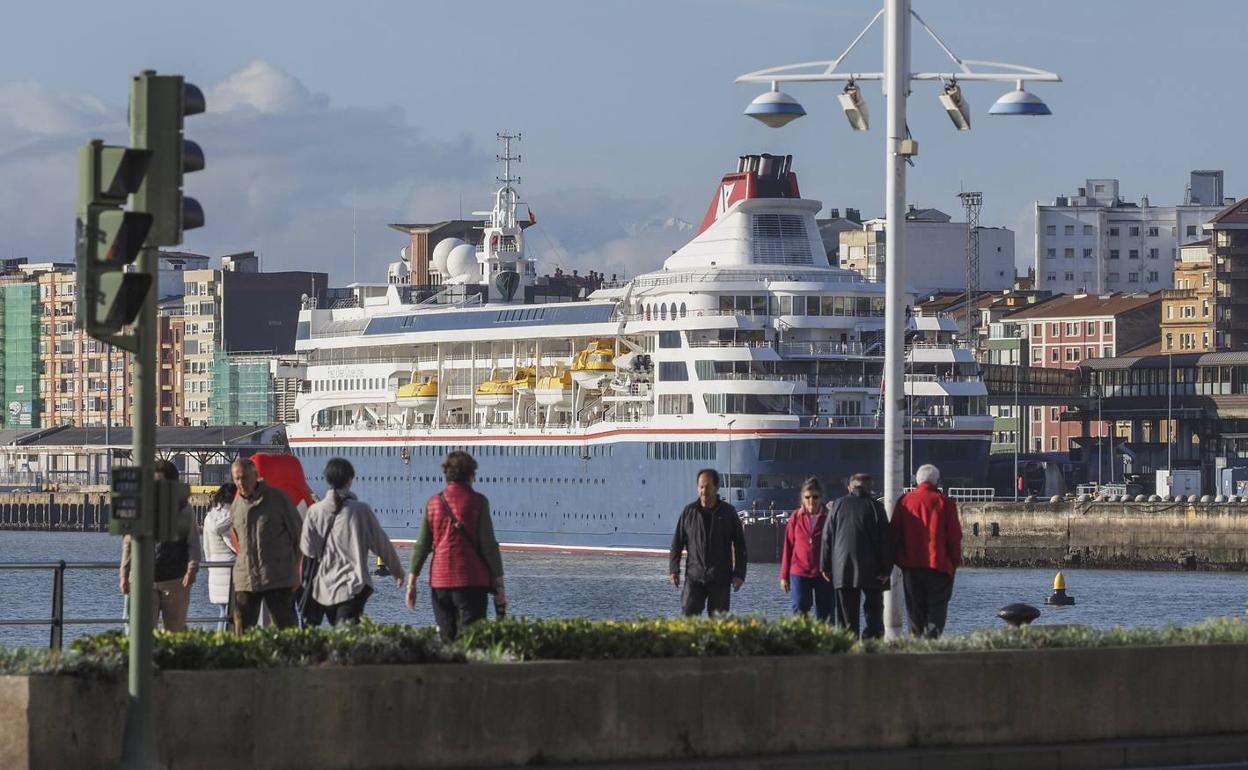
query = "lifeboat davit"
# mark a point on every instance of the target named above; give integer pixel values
(593, 364)
(421, 396)
(555, 390)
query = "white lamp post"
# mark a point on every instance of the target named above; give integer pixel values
(776, 109)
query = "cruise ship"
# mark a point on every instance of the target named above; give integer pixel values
(746, 352)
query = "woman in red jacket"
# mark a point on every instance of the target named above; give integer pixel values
(800, 577)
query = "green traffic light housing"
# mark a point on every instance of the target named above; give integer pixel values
(158, 105)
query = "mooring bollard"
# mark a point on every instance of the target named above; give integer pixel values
(1018, 614)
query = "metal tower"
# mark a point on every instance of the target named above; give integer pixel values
(972, 202)
(506, 158)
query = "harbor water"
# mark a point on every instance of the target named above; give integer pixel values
(565, 585)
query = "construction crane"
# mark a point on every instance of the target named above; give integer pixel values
(972, 202)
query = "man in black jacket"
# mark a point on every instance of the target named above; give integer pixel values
(710, 530)
(857, 557)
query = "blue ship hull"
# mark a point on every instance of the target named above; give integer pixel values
(620, 495)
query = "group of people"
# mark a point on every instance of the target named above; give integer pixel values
(838, 556)
(271, 546)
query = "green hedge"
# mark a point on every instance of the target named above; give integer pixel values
(105, 655)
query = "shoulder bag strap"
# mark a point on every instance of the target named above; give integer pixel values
(458, 525)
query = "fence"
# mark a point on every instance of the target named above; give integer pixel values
(58, 621)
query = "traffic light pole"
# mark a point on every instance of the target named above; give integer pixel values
(140, 743)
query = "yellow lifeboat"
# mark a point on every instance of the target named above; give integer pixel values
(594, 363)
(421, 396)
(498, 391)
(555, 390)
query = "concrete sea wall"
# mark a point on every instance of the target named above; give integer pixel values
(1211, 536)
(1060, 704)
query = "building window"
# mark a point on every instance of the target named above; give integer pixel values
(1204, 309)
(1191, 230)
(1113, 232)
(1068, 230)
(1072, 354)
(1091, 353)
(1050, 277)
(1050, 253)
(1133, 277)
(1053, 443)
(1068, 253)
(1054, 355)
(1153, 232)
(1087, 253)
(1072, 329)
(1053, 414)
(1205, 340)
(1108, 327)
(1169, 342)
(1133, 254)
(1153, 276)
(1037, 355)
(1055, 329)
(1089, 230)
(1037, 330)
(1091, 327)
(1069, 276)
(1050, 230)
(1154, 253)
(1113, 253)
(1107, 352)
(1134, 232)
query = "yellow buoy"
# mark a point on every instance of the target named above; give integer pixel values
(1059, 597)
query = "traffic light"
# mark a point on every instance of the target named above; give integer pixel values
(158, 104)
(109, 239)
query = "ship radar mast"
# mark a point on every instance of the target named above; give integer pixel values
(503, 264)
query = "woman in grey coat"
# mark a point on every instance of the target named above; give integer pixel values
(857, 557)
(340, 531)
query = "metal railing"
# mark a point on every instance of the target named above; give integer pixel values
(58, 621)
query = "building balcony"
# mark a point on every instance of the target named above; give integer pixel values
(1178, 294)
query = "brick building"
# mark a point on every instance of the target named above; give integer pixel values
(1067, 329)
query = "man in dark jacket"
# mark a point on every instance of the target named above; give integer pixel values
(929, 549)
(710, 530)
(857, 557)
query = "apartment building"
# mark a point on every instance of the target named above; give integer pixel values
(1067, 329)
(1096, 242)
(82, 381)
(1187, 310)
(240, 313)
(1229, 234)
(936, 252)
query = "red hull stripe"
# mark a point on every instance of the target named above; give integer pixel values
(564, 438)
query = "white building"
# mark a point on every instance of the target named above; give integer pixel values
(1096, 242)
(936, 253)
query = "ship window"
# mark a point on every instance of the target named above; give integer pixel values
(673, 371)
(683, 310)
(669, 339)
(780, 239)
(786, 305)
(663, 312)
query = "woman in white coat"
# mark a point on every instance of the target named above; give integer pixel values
(219, 548)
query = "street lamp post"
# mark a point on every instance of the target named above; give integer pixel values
(775, 108)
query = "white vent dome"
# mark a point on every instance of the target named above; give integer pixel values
(461, 263)
(442, 251)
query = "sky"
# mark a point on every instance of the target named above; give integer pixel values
(329, 120)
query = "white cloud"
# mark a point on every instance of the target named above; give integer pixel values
(284, 168)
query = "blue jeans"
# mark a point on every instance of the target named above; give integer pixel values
(805, 591)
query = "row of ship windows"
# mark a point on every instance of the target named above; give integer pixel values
(764, 305)
(681, 450)
(485, 450)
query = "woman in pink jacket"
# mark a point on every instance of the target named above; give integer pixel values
(800, 577)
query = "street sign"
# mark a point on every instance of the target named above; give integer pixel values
(126, 515)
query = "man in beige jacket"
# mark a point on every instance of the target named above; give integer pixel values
(267, 526)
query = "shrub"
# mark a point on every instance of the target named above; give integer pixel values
(581, 639)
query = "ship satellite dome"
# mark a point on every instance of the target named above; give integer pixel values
(461, 263)
(442, 251)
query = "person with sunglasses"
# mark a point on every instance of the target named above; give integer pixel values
(800, 576)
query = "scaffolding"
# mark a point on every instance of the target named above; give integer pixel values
(242, 390)
(20, 358)
(972, 202)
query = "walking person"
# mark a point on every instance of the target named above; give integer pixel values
(266, 525)
(219, 548)
(858, 557)
(458, 534)
(339, 533)
(928, 538)
(176, 561)
(800, 575)
(710, 531)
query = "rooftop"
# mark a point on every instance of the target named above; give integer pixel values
(1085, 306)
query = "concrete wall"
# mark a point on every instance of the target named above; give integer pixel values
(1132, 535)
(649, 710)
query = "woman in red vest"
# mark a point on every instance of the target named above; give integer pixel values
(459, 535)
